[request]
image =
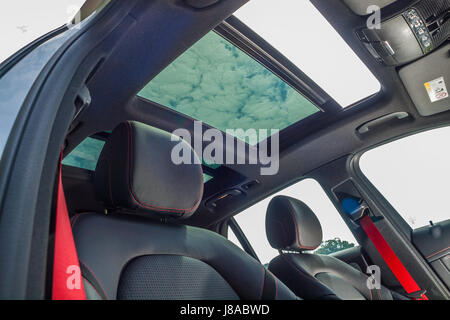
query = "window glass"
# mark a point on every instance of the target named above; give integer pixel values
(85, 155)
(336, 235)
(413, 175)
(217, 83)
(303, 35)
(232, 237)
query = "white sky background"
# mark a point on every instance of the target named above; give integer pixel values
(305, 37)
(414, 175)
(22, 21)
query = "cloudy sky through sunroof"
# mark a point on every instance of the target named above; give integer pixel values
(217, 83)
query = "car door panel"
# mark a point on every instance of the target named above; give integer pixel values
(433, 242)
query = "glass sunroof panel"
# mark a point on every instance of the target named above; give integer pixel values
(301, 33)
(217, 83)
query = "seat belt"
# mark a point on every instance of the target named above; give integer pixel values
(67, 279)
(359, 213)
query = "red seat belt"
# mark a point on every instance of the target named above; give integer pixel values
(67, 280)
(391, 259)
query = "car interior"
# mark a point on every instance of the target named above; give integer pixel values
(147, 228)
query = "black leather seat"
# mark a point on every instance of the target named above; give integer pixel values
(292, 227)
(140, 249)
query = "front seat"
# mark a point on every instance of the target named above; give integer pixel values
(140, 249)
(292, 228)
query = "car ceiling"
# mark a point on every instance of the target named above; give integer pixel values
(154, 33)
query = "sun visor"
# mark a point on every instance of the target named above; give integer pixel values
(428, 80)
(360, 7)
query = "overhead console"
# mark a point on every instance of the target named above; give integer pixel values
(413, 36)
(408, 33)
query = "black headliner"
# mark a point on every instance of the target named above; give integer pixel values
(153, 40)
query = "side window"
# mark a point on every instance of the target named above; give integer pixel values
(85, 155)
(413, 174)
(232, 237)
(336, 235)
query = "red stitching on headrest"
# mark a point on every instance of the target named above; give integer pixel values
(146, 205)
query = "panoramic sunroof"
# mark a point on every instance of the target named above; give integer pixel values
(217, 83)
(300, 32)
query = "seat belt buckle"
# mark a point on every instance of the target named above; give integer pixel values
(417, 295)
(354, 208)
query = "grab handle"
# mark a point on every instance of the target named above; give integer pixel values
(364, 128)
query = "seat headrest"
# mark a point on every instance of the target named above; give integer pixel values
(291, 225)
(135, 173)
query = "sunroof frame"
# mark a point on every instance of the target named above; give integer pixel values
(241, 36)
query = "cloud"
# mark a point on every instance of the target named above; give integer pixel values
(217, 83)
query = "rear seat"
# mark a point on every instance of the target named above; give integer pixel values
(291, 226)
